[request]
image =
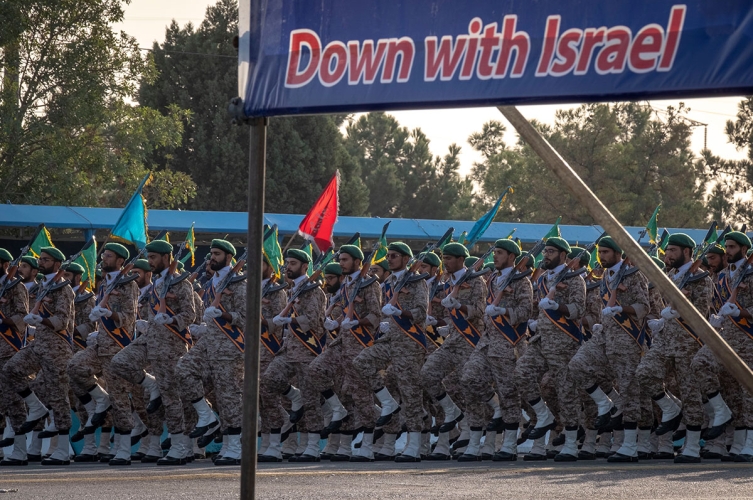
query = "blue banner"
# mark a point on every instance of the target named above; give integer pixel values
(337, 56)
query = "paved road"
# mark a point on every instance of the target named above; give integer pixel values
(431, 481)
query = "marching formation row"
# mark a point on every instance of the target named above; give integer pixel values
(485, 354)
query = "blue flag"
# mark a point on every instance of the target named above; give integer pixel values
(480, 227)
(131, 226)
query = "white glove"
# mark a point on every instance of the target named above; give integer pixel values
(331, 324)
(669, 313)
(282, 320)
(492, 310)
(93, 316)
(729, 309)
(716, 321)
(597, 328)
(33, 319)
(212, 312)
(347, 324)
(384, 326)
(655, 325)
(532, 324)
(451, 303)
(92, 336)
(163, 319)
(142, 326)
(390, 310)
(547, 303)
(100, 312)
(198, 330)
(611, 312)
(443, 331)
(431, 321)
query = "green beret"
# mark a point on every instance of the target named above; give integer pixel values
(223, 245)
(558, 243)
(159, 246)
(683, 240)
(455, 250)
(142, 264)
(508, 245)
(717, 249)
(608, 242)
(118, 250)
(74, 268)
(659, 262)
(736, 236)
(333, 268)
(208, 256)
(31, 261)
(384, 264)
(297, 254)
(489, 265)
(353, 251)
(529, 259)
(430, 258)
(469, 261)
(582, 255)
(5, 255)
(53, 252)
(401, 247)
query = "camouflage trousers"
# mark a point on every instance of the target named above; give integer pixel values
(85, 367)
(277, 378)
(11, 404)
(271, 411)
(129, 364)
(405, 357)
(154, 422)
(711, 376)
(653, 370)
(226, 374)
(535, 363)
(51, 358)
(488, 370)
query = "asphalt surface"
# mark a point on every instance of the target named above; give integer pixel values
(385, 480)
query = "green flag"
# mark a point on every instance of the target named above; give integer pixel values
(191, 246)
(308, 248)
(463, 238)
(272, 251)
(88, 260)
(651, 227)
(42, 240)
(381, 252)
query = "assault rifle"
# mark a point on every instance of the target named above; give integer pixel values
(225, 282)
(53, 283)
(572, 267)
(9, 280)
(690, 275)
(519, 271)
(171, 279)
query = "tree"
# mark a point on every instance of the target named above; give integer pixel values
(628, 156)
(405, 179)
(197, 70)
(67, 135)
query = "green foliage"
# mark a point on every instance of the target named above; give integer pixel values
(66, 134)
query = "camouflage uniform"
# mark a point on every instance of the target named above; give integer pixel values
(270, 409)
(489, 366)
(217, 356)
(13, 306)
(404, 354)
(368, 304)
(443, 367)
(551, 349)
(96, 359)
(293, 358)
(163, 348)
(674, 349)
(49, 352)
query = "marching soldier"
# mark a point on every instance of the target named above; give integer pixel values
(402, 344)
(166, 339)
(556, 339)
(464, 310)
(115, 315)
(50, 352)
(14, 306)
(486, 375)
(304, 341)
(219, 354)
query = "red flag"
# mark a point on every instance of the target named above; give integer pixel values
(320, 221)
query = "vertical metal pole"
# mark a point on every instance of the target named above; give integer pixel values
(578, 189)
(256, 168)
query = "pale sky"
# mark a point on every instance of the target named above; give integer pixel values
(146, 20)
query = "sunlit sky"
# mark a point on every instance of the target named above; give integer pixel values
(146, 20)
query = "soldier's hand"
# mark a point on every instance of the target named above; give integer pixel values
(729, 309)
(669, 313)
(431, 321)
(532, 324)
(548, 304)
(384, 326)
(451, 303)
(163, 319)
(33, 319)
(331, 324)
(142, 326)
(347, 324)
(212, 312)
(716, 321)
(611, 312)
(390, 310)
(655, 325)
(443, 331)
(198, 330)
(282, 320)
(492, 310)
(597, 328)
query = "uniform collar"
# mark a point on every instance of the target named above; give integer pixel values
(112, 275)
(48, 277)
(353, 275)
(736, 265)
(555, 271)
(30, 284)
(503, 274)
(685, 267)
(75, 288)
(398, 274)
(219, 275)
(457, 275)
(300, 279)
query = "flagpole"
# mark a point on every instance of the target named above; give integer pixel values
(256, 167)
